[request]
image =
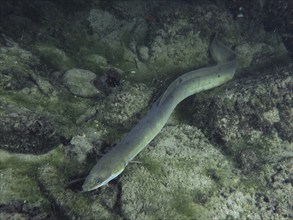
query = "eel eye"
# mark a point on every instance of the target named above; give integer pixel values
(98, 181)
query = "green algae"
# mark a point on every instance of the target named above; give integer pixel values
(219, 176)
(154, 166)
(22, 172)
(19, 165)
(27, 163)
(64, 111)
(260, 146)
(185, 204)
(75, 205)
(21, 186)
(21, 179)
(202, 196)
(54, 56)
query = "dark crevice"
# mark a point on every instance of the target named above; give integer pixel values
(55, 208)
(118, 205)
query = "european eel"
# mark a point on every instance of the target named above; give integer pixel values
(113, 163)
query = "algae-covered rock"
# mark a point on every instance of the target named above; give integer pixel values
(103, 22)
(17, 64)
(183, 176)
(175, 182)
(65, 199)
(226, 156)
(54, 56)
(11, 179)
(133, 9)
(80, 82)
(22, 210)
(143, 53)
(117, 39)
(19, 185)
(42, 180)
(254, 112)
(252, 123)
(21, 69)
(95, 62)
(25, 131)
(89, 142)
(178, 38)
(123, 106)
(259, 54)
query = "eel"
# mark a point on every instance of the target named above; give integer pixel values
(113, 163)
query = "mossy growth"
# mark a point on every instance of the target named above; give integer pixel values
(54, 56)
(19, 165)
(259, 146)
(113, 54)
(28, 164)
(184, 204)
(21, 171)
(21, 187)
(161, 69)
(117, 53)
(202, 196)
(113, 135)
(64, 111)
(220, 174)
(153, 166)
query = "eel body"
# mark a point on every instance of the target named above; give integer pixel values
(114, 162)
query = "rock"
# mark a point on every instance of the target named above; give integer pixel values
(95, 62)
(10, 182)
(80, 82)
(103, 22)
(43, 85)
(54, 56)
(254, 112)
(143, 53)
(81, 146)
(229, 157)
(184, 174)
(118, 40)
(256, 55)
(122, 107)
(16, 66)
(24, 131)
(65, 199)
(133, 9)
(18, 180)
(32, 179)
